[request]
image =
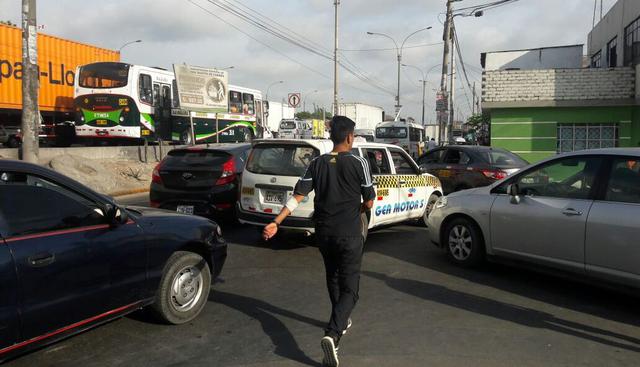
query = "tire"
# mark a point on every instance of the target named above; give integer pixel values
(464, 242)
(365, 226)
(13, 142)
(430, 204)
(187, 271)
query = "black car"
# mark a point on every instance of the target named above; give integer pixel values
(71, 258)
(461, 167)
(199, 180)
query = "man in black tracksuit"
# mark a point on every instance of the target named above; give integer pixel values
(343, 190)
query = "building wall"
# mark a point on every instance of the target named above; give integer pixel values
(553, 85)
(532, 132)
(540, 58)
(612, 24)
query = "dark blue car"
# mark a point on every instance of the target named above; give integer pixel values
(71, 258)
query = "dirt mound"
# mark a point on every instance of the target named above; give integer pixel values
(106, 176)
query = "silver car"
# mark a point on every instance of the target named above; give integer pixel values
(576, 212)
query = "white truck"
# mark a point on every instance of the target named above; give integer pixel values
(365, 116)
(278, 112)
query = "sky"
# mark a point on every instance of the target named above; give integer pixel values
(180, 31)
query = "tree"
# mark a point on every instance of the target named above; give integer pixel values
(317, 115)
(480, 124)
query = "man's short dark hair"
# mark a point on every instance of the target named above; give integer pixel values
(341, 127)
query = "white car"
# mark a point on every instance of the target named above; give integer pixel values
(403, 191)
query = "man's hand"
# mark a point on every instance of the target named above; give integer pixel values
(366, 206)
(269, 231)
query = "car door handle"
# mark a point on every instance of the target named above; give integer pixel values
(571, 212)
(41, 259)
(402, 182)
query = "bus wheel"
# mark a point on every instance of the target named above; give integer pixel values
(185, 138)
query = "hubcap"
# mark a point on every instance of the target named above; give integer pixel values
(460, 242)
(186, 289)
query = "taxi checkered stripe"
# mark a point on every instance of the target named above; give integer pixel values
(392, 181)
(386, 181)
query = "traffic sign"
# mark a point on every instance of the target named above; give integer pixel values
(294, 100)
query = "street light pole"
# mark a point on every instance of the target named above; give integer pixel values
(271, 85)
(127, 44)
(424, 85)
(399, 57)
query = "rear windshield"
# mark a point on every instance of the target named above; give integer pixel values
(288, 125)
(502, 158)
(391, 132)
(195, 158)
(281, 160)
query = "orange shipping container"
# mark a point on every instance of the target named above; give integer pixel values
(57, 62)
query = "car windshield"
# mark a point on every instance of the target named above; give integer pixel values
(391, 132)
(281, 160)
(288, 124)
(104, 75)
(502, 158)
(195, 158)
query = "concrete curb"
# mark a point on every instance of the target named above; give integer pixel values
(129, 192)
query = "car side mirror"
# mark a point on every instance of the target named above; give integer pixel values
(422, 170)
(513, 190)
(116, 216)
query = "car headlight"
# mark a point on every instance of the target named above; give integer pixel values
(219, 231)
(442, 202)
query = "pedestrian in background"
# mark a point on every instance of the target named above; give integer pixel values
(432, 144)
(343, 189)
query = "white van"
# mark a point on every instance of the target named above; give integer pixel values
(403, 191)
(295, 129)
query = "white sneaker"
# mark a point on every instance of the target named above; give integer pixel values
(330, 352)
(349, 323)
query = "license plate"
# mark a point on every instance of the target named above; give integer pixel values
(185, 209)
(101, 122)
(274, 197)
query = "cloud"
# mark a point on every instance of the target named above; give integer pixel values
(176, 31)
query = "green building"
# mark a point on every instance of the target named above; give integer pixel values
(537, 112)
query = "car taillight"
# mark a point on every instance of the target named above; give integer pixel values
(494, 174)
(228, 173)
(155, 176)
(154, 204)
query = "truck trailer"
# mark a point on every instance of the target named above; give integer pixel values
(365, 116)
(57, 62)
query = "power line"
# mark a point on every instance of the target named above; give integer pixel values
(464, 70)
(299, 41)
(274, 49)
(391, 49)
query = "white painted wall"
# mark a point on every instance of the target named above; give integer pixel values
(564, 57)
(613, 24)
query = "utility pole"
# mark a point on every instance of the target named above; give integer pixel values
(30, 113)
(452, 91)
(424, 86)
(473, 107)
(336, 3)
(446, 37)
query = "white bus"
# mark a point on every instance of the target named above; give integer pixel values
(409, 136)
(116, 100)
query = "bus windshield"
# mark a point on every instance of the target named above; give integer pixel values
(104, 75)
(391, 132)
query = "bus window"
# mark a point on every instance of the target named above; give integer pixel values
(235, 102)
(176, 101)
(415, 134)
(144, 88)
(156, 94)
(166, 96)
(259, 113)
(248, 105)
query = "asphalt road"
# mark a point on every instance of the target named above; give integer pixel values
(415, 309)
